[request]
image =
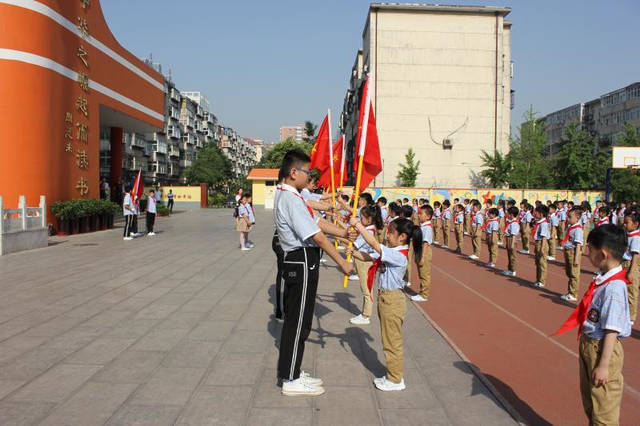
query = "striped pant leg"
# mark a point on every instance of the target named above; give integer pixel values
(127, 225)
(301, 275)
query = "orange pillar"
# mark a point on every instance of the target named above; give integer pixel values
(204, 195)
(116, 163)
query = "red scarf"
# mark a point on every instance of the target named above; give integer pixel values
(535, 228)
(455, 219)
(371, 274)
(579, 314)
(508, 225)
(633, 234)
(571, 228)
(486, 224)
(309, 209)
(603, 221)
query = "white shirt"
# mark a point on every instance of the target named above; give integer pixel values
(293, 221)
(151, 205)
(492, 226)
(633, 245)
(127, 201)
(395, 266)
(513, 229)
(609, 309)
(576, 236)
(427, 232)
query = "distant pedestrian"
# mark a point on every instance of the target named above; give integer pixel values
(170, 202)
(151, 212)
(243, 221)
(127, 211)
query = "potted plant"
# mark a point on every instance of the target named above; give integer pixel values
(61, 212)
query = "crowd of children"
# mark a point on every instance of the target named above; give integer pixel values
(392, 237)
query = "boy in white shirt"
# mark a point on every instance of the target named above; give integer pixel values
(511, 231)
(151, 212)
(128, 212)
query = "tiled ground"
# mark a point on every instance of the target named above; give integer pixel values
(177, 329)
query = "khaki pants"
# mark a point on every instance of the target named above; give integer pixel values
(492, 245)
(601, 404)
(424, 273)
(392, 308)
(511, 253)
(542, 248)
(586, 229)
(467, 223)
(524, 234)
(475, 240)
(632, 289)
(561, 231)
(572, 271)
(553, 241)
(362, 268)
(446, 229)
(459, 229)
(501, 225)
(437, 227)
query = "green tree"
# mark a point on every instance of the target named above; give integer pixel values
(272, 159)
(309, 132)
(409, 172)
(574, 164)
(625, 183)
(210, 167)
(497, 168)
(529, 168)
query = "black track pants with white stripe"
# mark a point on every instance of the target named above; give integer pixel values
(128, 220)
(277, 249)
(300, 274)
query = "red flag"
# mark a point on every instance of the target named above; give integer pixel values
(324, 180)
(138, 188)
(320, 151)
(372, 162)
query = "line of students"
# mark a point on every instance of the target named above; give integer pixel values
(130, 211)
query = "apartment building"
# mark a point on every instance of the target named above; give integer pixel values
(189, 125)
(441, 85)
(297, 133)
(602, 118)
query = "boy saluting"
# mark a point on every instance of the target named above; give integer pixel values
(301, 238)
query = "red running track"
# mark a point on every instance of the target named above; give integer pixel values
(502, 325)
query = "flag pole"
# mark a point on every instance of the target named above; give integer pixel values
(333, 181)
(363, 141)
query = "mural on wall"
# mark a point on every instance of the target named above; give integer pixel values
(484, 194)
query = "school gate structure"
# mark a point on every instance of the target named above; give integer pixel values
(64, 78)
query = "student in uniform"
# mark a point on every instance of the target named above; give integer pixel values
(446, 223)
(602, 318)
(437, 222)
(572, 246)
(562, 217)
(491, 227)
(128, 212)
(541, 233)
(170, 201)
(554, 222)
(501, 217)
(277, 249)
(458, 221)
(585, 219)
(384, 211)
(602, 217)
(525, 220)
(476, 229)
(372, 221)
(511, 231)
(151, 212)
(301, 237)
(243, 222)
(425, 215)
(394, 213)
(391, 263)
(467, 216)
(631, 259)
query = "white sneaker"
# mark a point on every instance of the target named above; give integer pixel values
(128, 238)
(435, 243)
(490, 265)
(151, 234)
(467, 234)
(299, 387)
(360, 320)
(524, 252)
(323, 260)
(559, 248)
(386, 385)
(354, 277)
(245, 249)
(407, 284)
(444, 247)
(507, 273)
(551, 258)
(568, 298)
(313, 381)
(474, 257)
(538, 284)
(418, 298)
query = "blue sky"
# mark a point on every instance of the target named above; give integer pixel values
(264, 64)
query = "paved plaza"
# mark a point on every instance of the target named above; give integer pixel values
(178, 329)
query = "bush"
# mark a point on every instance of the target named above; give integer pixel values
(75, 209)
(218, 199)
(162, 210)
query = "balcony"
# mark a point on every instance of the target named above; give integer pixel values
(189, 138)
(175, 95)
(185, 163)
(174, 151)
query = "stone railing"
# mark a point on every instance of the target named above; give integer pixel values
(23, 228)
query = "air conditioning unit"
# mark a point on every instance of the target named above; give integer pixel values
(447, 143)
